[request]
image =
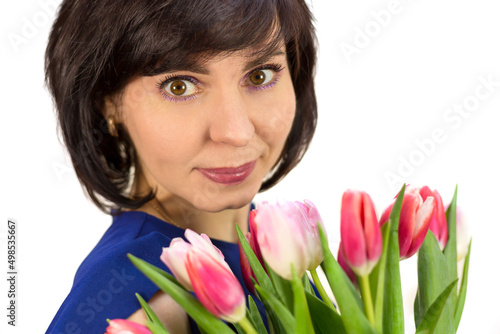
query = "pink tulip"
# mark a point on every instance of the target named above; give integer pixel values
(463, 235)
(414, 221)
(200, 267)
(120, 326)
(343, 263)
(216, 286)
(310, 226)
(175, 256)
(252, 237)
(360, 232)
(246, 269)
(286, 233)
(438, 224)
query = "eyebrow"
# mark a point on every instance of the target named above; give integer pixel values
(201, 69)
(262, 59)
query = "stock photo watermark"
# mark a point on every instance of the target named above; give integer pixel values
(32, 24)
(453, 118)
(88, 309)
(12, 271)
(364, 35)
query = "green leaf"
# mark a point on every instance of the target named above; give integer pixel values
(418, 310)
(433, 313)
(377, 281)
(350, 287)
(239, 329)
(300, 309)
(393, 314)
(450, 251)
(156, 328)
(353, 317)
(325, 320)
(191, 305)
(261, 275)
(152, 318)
(432, 280)
(284, 315)
(463, 290)
(282, 287)
(307, 284)
(255, 316)
(275, 326)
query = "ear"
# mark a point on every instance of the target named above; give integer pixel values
(110, 109)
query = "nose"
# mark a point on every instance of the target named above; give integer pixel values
(231, 123)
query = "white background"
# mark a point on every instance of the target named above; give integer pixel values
(374, 107)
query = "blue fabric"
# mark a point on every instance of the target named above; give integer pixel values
(106, 282)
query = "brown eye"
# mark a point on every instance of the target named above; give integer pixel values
(178, 87)
(258, 77)
(261, 77)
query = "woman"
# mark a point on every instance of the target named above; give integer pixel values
(175, 115)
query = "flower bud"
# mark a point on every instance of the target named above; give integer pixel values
(287, 233)
(414, 221)
(438, 224)
(200, 267)
(360, 232)
(280, 237)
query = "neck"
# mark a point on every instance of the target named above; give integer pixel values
(217, 225)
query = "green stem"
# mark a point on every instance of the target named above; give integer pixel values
(247, 326)
(321, 290)
(367, 298)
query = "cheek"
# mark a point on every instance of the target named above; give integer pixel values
(277, 117)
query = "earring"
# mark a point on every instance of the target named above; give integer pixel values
(112, 127)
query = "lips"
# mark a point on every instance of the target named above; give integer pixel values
(228, 175)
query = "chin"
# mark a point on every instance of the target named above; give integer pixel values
(227, 201)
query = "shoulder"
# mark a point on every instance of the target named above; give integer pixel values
(106, 282)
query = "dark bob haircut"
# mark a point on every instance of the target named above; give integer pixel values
(96, 47)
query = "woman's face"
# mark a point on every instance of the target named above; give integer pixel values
(208, 135)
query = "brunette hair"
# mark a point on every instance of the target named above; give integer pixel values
(96, 47)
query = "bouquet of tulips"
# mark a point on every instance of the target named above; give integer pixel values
(288, 239)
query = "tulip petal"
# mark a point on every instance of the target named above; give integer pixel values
(246, 269)
(175, 257)
(121, 326)
(463, 234)
(342, 262)
(202, 241)
(351, 230)
(216, 286)
(385, 215)
(253, 237)
(438, 224)
(315, 252)
(424, 214)
(281, 238)
(440, 216)
(371, 229)
(411, 202)
(422, 220)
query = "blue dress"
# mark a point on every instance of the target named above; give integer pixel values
(106, 282)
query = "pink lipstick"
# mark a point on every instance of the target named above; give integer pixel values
(228, 175)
